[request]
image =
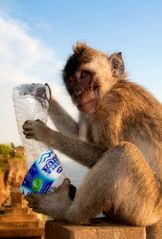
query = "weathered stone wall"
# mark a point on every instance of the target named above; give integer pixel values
(101, 230)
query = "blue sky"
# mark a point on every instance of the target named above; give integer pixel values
(36, 38)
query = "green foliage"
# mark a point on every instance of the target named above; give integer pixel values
(8, 152)
(5, 150)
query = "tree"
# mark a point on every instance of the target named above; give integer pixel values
(5, 155)
(5, 150)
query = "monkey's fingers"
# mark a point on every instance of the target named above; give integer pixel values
(33, 199)
(27, 124)
(28, 133)
(29, 198)
(28, 128)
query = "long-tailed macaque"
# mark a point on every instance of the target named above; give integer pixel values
(118, 136)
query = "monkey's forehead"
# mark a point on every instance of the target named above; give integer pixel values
(74, 62)
(77, 61)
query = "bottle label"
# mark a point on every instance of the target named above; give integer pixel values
(43, 174)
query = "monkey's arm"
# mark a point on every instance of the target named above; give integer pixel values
(83, 152)
(62, 120)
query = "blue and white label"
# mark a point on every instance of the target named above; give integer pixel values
(43, 174)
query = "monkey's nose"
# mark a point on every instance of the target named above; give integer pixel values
(77, 93)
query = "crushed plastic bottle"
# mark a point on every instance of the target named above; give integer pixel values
(31, 102)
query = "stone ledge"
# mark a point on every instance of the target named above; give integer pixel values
(25, 232)
(97, 230)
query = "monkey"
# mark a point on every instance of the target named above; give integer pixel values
(118, 137)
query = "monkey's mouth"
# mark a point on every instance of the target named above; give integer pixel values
(89, 106)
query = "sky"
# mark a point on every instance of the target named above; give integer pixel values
(36, 38)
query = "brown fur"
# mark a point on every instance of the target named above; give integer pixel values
(119, 138)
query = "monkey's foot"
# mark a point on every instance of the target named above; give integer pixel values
(53, 204)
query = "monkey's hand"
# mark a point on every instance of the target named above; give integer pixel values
(53, 204)
(36, 130)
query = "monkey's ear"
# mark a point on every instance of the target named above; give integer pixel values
(117, 64)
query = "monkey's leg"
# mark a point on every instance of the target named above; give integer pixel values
(122, 184)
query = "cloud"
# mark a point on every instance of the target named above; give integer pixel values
(24, 58)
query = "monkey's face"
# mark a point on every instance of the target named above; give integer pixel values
(88, 74)
(83, 88)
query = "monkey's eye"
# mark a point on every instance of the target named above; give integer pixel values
(71, 78)
(85, 74)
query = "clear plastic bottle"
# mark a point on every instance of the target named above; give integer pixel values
(31, 102)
